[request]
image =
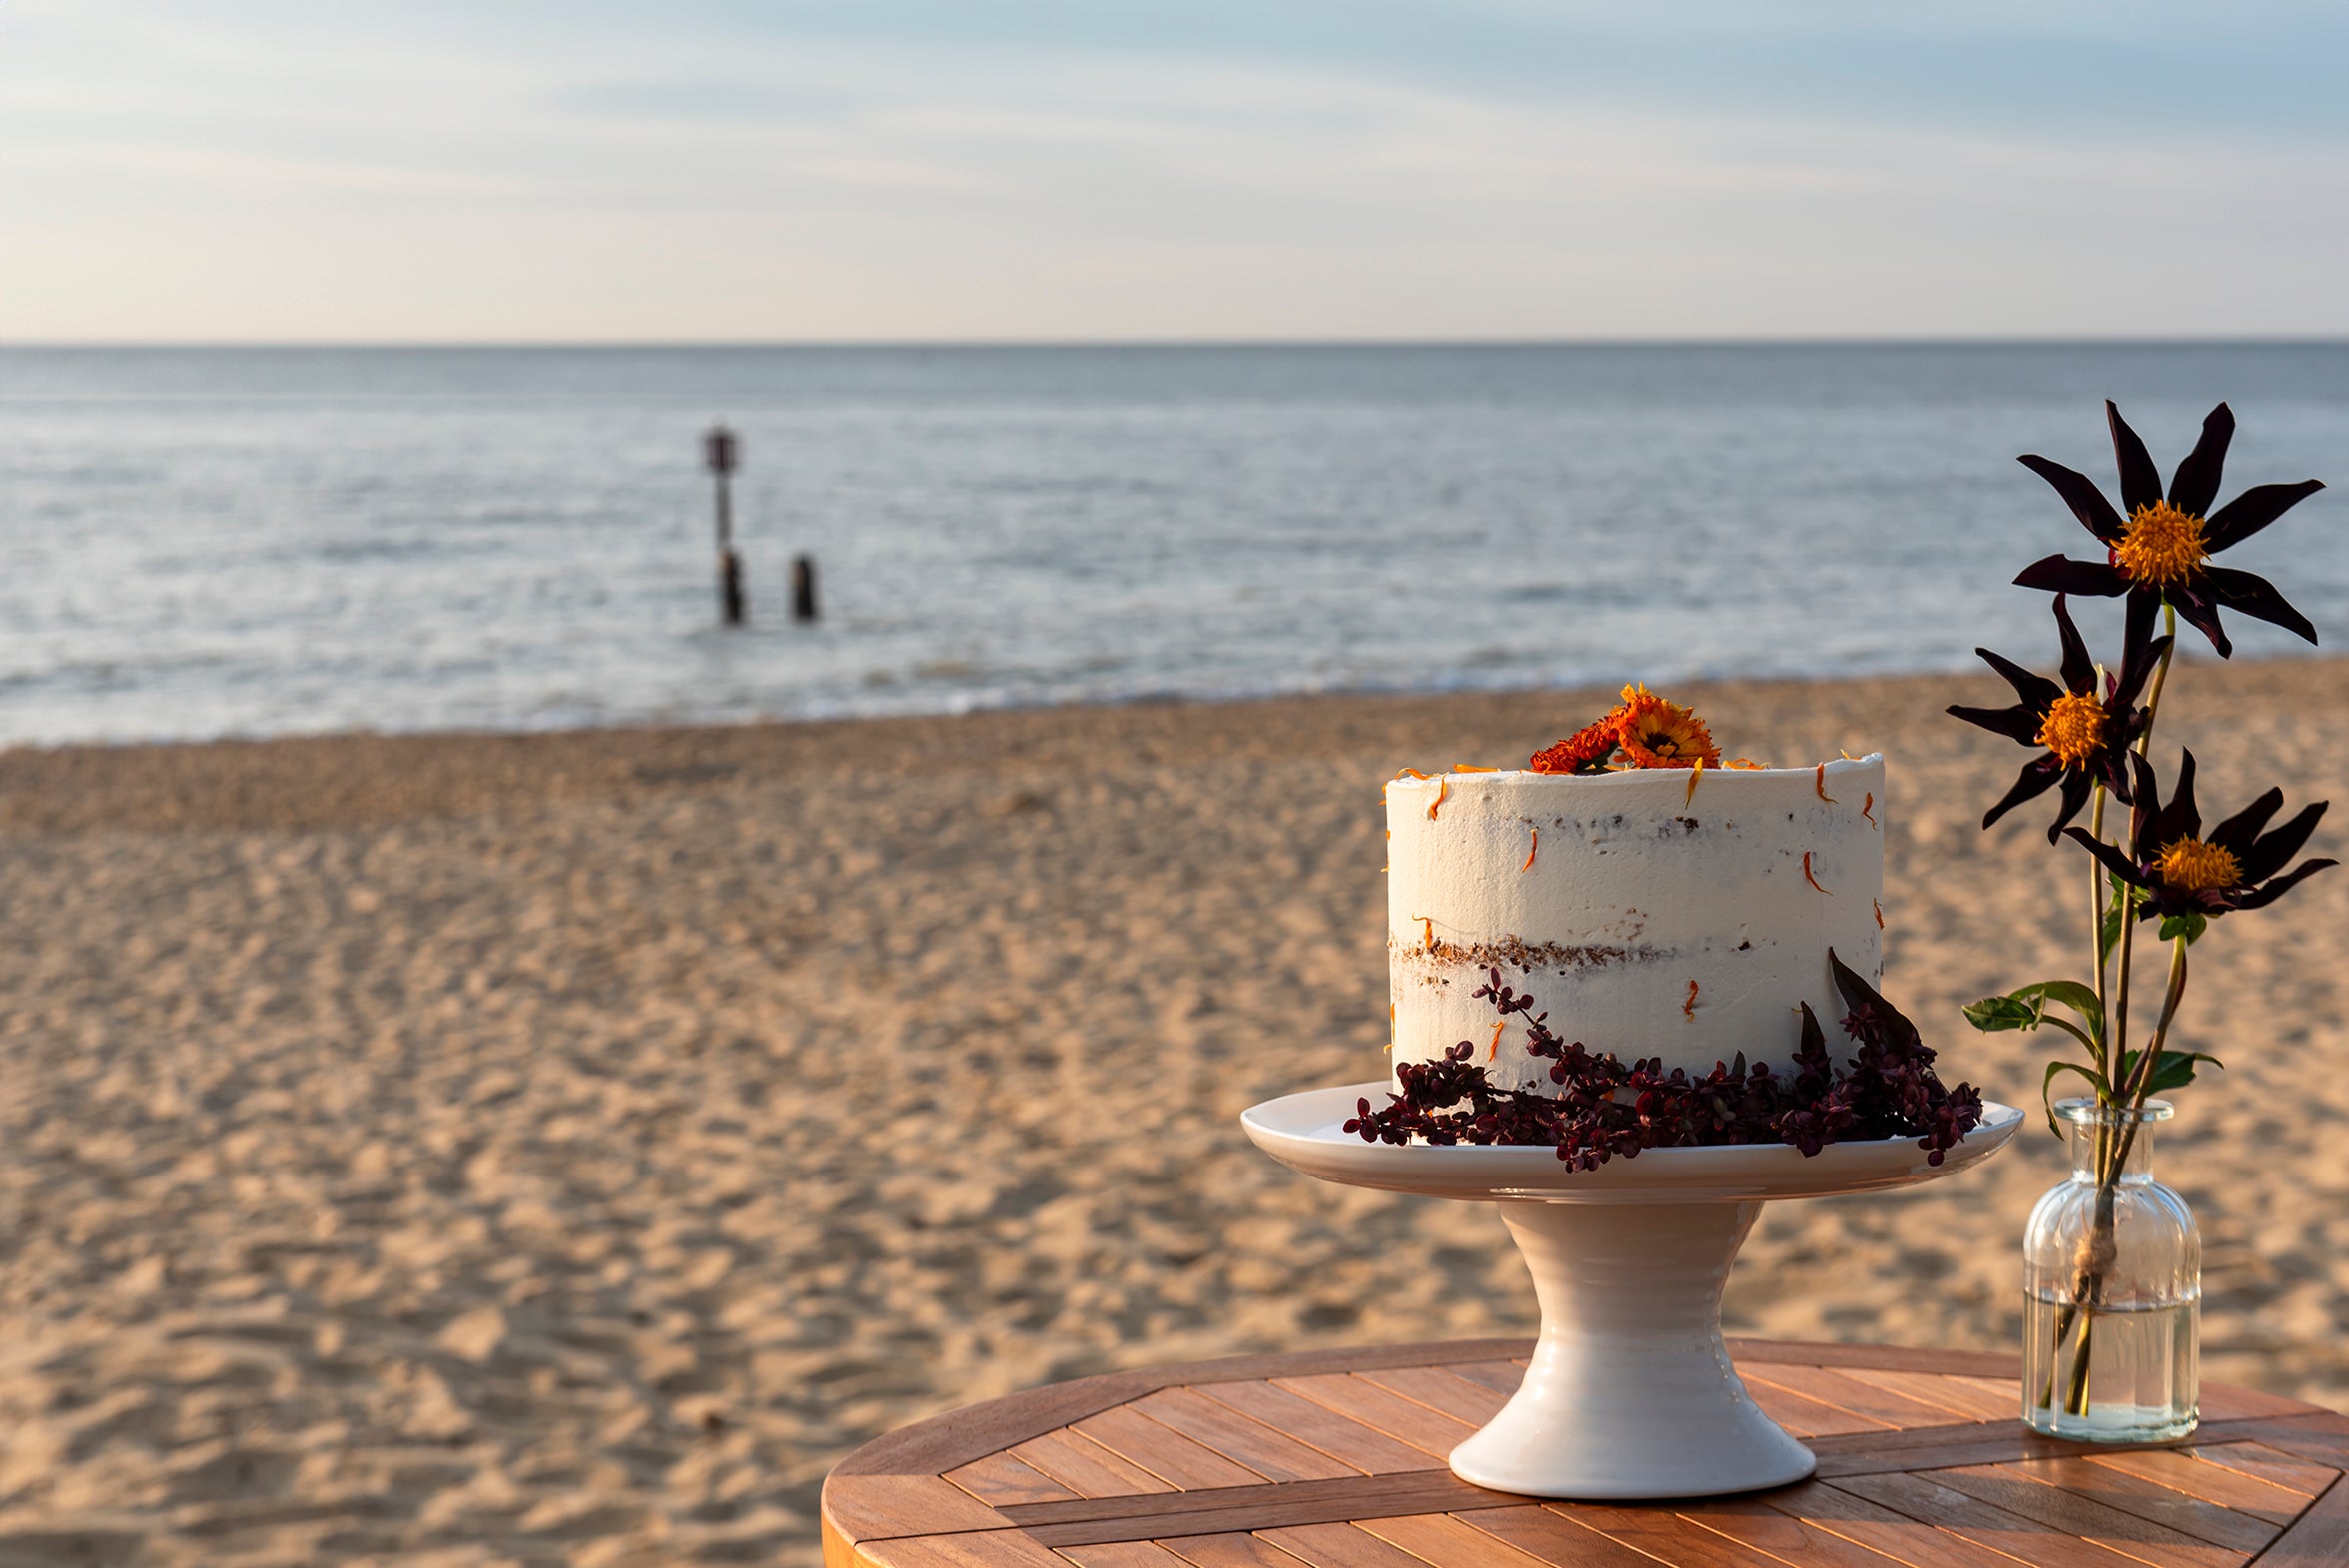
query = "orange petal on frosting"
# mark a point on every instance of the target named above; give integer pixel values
(1493, 1051)
(1868, 808)
(1879, 908)
(1687, 1009)
(1695, 774)
(1529, 854)
(1807, 877)
(1819, 783)
(1444, 791)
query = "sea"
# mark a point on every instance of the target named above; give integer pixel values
(203, 542)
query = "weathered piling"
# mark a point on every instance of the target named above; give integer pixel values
(803, 588)
(723, 453)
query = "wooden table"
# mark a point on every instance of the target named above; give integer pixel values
(1336, 1460)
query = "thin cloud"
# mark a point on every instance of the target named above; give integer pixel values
(921, 169)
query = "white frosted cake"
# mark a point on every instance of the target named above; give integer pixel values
(1646, 917)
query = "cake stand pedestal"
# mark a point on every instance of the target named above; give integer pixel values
(1631, 1393)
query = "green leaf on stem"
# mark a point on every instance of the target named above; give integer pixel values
(1992, 1014)
(2026, 1007)
(2048, 1088)
(2190, 925)
(2172, 1069)
(2080, 999)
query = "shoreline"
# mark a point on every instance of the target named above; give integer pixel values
(352, 777)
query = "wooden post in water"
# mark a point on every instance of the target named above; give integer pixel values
(722, 453)
(803, 588)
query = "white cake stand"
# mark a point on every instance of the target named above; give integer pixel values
(1630, 1393)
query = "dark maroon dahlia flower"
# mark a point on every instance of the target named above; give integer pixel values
(2083, 734)
(2159, 552)
(2181, 873)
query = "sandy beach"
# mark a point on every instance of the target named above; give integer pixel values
(561, 1149)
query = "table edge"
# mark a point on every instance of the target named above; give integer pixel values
(929, 1448)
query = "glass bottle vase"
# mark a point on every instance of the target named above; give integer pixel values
(2112, 1288)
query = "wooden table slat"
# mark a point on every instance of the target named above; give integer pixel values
(1895, 1358)
(1453, 1541)
(1664, 1535)
(2301, 1478)
(2249, 1477)
(1429, 1430)
(1807, 1417)
(1344, 1439)
(986, 1549)
(1085, 1467)
(1162, 1451)
(868, 1508)
(2087, 1518)
(1231, 1549)
(1004, 1478)
(2226, 1402)
(1784, 1536)
(1945, 1447)
(1122, 1554)
(1910, 1541)
(1923, 1498)
(1502, 1377)
(2322, 1438)
(2115, 1488)
(2194, 1474)
(1445, 1541)
(1439, 1389)
(935, 1447)
(1339, 1546)
(1977, 1442)
(2320, 1539)
(1846, 1392)
(1965, 1398)
(1337, 1460)
(1240, 1438)
(1252, 1508)
(1553, 1538)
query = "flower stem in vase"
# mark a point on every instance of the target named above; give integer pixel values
(2111, 1257)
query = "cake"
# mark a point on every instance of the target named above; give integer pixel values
(1683, 912)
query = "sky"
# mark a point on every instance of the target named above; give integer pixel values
(1086, 170)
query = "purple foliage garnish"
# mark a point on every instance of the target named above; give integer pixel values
(1604, 1108)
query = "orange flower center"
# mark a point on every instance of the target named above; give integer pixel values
(1660, 734)
(2073, 729)
(2162, 546)
(2192, 866)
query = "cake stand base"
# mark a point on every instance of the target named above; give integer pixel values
(1631, 1393)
